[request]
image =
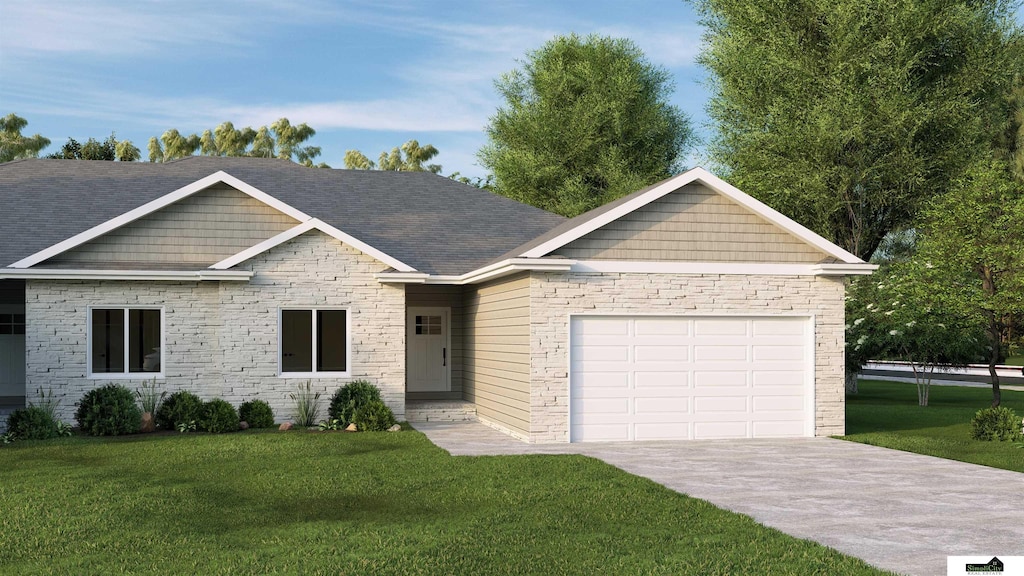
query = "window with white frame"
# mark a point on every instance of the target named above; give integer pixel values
(126, 340)
(314, 341)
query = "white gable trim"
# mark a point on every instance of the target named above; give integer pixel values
(311, 224)
(150, 207)
(742, 268)
(716, 184)
(157, 275)
(489, 272)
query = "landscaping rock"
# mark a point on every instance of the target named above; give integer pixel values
(285, 426)
(243, 425)
(148, 424)
(351, 427)
(395, 428)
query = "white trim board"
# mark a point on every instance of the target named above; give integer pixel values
(159, 275)
(489, 272)
(741, 268)
(673, 184)
(311, 224)
(219, 177)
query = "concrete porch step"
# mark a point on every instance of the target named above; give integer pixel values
(440, 411)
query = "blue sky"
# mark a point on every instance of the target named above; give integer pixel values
(365, 74)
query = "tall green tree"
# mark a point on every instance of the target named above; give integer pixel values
(410, 157)
(281, 139)
(585, 121)
(109, 149)
(13, 145)
(848, 115)
(973, 238)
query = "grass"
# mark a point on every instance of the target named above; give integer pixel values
(280, 503)
(1015, 360)
(886, 414)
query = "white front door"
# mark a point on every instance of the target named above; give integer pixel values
(428, 355)
(12, 351)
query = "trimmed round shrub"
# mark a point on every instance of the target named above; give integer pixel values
(32, 423)
(109, 411)
(218, 417)
(181, 407)
(257, 414)
(999, 423)
(349, 398)
(374, 416)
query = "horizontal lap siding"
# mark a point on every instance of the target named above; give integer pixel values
(443, 297)
(200, 230)
(692, 224)
(496, 357)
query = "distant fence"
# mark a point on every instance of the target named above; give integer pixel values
(972, 373)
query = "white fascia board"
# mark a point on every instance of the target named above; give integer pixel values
(716, 184)
(150, 207)
(489, 272)
(311, 224)
(733, 268)
(157, 275)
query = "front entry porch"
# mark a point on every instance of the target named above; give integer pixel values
(12, 348)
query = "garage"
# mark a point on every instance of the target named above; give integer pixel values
(690, 377)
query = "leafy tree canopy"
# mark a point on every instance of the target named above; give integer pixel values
(411, 157)
(280, 140)
(585, 121)
(13, 145)
(109, 149)
(849, 115)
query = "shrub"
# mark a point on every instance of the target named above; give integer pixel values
(32, 423)
(999, 423)
(109, 411)
(218, 417)
(350, 398)
(257, 414)
(181, 407)
(307, 405)
(374, 416)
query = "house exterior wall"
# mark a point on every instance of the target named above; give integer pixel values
(496, 370)
(693, 224)
(556, 295)
(424, 295)
(221, 339)
(201, 229)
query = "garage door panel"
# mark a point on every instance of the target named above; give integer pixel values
(679, 405)
(707, 378)
(719, 353)
(661, 379)
(662, 327)
(684, 378)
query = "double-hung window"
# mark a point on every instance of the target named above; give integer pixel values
(314, 342)
(126, 341)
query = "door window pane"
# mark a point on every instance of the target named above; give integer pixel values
(331, 352)
(296, 341)
(143, 340)
(107, 340)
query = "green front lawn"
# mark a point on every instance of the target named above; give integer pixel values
(886, 414)
(297, 502)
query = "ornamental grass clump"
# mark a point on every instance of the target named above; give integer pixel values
(307, 405)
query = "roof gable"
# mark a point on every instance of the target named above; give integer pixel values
(589, 222)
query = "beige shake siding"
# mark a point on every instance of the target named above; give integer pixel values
(693, 224)
(417, 295)
(496, 370)
(200, 230)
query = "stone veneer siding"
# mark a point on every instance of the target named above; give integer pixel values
(556, 295)
(221, 338)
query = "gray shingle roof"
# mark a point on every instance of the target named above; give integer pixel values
(430, 222)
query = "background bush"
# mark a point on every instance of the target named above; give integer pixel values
(1000, 423)
(180, 407)
(374, 416)
(32, 423)
(350, 398)
(257, 414)
(109, 411)
(218, 417)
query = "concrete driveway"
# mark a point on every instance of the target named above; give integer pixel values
(896, 510)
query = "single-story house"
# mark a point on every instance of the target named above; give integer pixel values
(687, 310)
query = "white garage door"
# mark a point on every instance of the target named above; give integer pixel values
(652, 377)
